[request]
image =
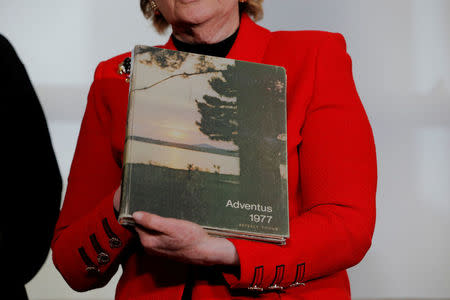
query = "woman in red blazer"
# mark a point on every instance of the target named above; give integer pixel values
(331, 165)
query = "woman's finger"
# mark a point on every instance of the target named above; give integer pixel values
(148, 240)
(155, 222)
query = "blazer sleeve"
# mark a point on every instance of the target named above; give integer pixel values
(338, 176)
(88, 241)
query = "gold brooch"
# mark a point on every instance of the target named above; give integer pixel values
(124, 68)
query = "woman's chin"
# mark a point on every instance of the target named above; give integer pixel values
(187, 1)
(194, 18)
(192, 12)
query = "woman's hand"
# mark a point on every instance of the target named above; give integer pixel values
(183, 241)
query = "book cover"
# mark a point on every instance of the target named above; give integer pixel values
(206, 142)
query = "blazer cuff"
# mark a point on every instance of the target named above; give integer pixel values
(256, 272)
(110, 235)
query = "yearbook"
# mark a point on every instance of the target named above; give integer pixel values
(206, 142)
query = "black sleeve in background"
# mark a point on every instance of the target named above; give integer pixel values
(32, 185)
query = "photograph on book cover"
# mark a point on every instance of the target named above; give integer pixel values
(206, 142)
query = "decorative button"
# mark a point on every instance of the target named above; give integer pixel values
(279, 274)
(255, 288)
(102, 258)
(257, 279)
(300, 274)
(115, 243)
(296, 284)
(275, 287)
(92, 270)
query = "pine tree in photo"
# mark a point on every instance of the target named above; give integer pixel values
(252, 122)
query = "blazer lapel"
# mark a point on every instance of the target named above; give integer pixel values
(251, 42)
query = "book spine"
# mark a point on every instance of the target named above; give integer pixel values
(125, 217)
(285, 187)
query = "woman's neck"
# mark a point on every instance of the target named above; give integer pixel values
(209, 32)
(220, 49)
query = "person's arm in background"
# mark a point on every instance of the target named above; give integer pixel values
(32, 181)
(338, 178)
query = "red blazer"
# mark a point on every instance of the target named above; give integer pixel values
(332, 185)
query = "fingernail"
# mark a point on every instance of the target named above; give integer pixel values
(137, 216)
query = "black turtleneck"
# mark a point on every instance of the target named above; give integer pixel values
(220, 49)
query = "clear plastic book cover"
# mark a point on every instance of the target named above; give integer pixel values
(206, 142)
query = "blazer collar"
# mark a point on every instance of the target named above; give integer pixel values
(250, 44)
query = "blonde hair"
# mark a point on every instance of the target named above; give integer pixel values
(251, 7)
